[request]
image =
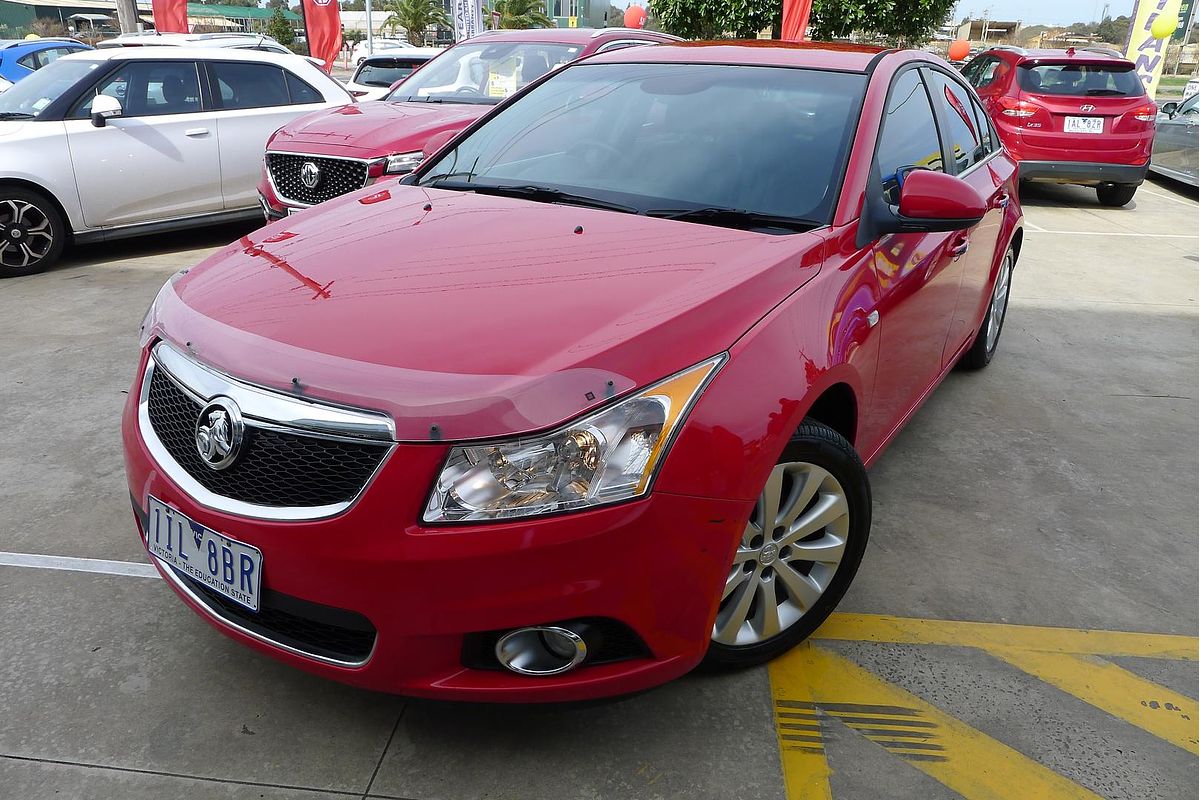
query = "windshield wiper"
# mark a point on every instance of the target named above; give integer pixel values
(1104, 92)
(15, 115)
(733, 217)
(539, 194)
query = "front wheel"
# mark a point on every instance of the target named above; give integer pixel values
(1115, 194)
(32, 233)
(979, 355)
(798, 553)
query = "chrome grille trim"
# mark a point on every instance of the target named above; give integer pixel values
(289, 197)
(261, 408)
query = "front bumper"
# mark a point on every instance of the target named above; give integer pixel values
(655, 565)
(1083, 172)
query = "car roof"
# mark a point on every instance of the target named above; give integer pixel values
(415, 52)
(565, 35)
(48, 41)
(186, 39)
(753, 52)
(1020, 54)
(180, 53)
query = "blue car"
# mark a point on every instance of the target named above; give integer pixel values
(22, 57)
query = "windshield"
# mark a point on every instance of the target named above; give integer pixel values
(483, 73)
(1081, 80)
(672, 140)
(28, 98)
(385, 72)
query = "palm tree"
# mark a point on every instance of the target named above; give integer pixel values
(415, 16)
(520, 14)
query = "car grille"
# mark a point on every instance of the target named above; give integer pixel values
(322, 631)
(337, 176)
(275, 468)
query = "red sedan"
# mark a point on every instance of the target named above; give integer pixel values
(591, 399)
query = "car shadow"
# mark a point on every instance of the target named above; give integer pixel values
(114, 252)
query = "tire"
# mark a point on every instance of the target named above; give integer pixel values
(822, 481)
(1115, 194)
(32, 233)
(981, 351)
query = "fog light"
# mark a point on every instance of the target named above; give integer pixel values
(540, 651)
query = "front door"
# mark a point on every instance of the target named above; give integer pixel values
(158, 160)
(918, 274)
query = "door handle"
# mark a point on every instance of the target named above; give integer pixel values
(196, 132)
(1002, 200)
(960, 245)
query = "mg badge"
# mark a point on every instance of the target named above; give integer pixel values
(1087, 108)
(310, 175)
(219, 431)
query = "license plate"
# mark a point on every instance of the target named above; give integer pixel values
(1084, 125)
(222, 564)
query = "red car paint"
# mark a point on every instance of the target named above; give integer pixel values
(387, 300)
(1031, 122)
(379, 128)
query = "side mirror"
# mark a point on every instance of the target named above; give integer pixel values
(437, 142)
(103, 107)
(1170, 108)
(934, 201)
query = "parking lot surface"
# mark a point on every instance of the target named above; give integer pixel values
(1024, 624)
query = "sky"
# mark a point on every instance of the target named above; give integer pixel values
(1040, 12)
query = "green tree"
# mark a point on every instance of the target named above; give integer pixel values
(522, 14)
(908, 21)
(415, 16)
(279, 29)
(1113, 31)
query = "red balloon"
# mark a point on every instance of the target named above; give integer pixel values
(959, 50)
(635, 17)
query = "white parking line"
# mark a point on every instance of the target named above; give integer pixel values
(1117, 233)
(1179, 200)
(126, 568)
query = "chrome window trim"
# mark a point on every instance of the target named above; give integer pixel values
(221, 619)
(297, 203)
(206, 383)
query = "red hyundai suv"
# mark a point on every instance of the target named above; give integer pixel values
(1069, 116)
(590, 396)
(330, 152)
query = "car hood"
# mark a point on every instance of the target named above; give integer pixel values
(374, 128)
(482, 316)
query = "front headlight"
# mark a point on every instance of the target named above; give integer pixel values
(606, 457)
(403, 163)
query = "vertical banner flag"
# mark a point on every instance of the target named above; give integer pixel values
(1187, 15)
(323, 29)
(795, 19)
(468, 19)
(1148, 52)
(170, 16)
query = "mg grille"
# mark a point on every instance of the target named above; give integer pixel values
(336, 177)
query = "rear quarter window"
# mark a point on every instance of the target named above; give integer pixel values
(1080, 80)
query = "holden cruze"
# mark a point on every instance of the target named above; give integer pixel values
(589, 398)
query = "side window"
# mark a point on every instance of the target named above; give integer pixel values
(971, 71)
(32, 60)
(909, 139)
(149, 89)
(1189, 107)
(621, 44)
(300, 92)
(986, 140)
(962, 134)
(246, 85)
(54, 54)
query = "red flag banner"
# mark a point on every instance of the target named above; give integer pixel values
(795, 19)
(170, 16)
(323, 29)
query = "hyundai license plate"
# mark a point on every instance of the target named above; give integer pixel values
(1084, 125)
(220, 563)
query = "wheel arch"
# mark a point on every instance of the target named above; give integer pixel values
(836, 407)
(30, 186)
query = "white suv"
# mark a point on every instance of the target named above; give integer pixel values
(237, 41)
(128, 141)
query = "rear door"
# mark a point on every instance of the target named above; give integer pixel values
(158, 160)
(1088, 108)
(1175, 141)
(252, 101)
(969, 137)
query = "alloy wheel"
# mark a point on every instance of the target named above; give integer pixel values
(787, 557)
(999, 304)
(26, 236)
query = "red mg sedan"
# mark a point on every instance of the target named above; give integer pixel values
(592, 398)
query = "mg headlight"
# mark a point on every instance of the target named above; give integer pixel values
(403, 163)
(606, 457)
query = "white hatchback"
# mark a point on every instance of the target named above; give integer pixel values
(376, 74)
(129, 141)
